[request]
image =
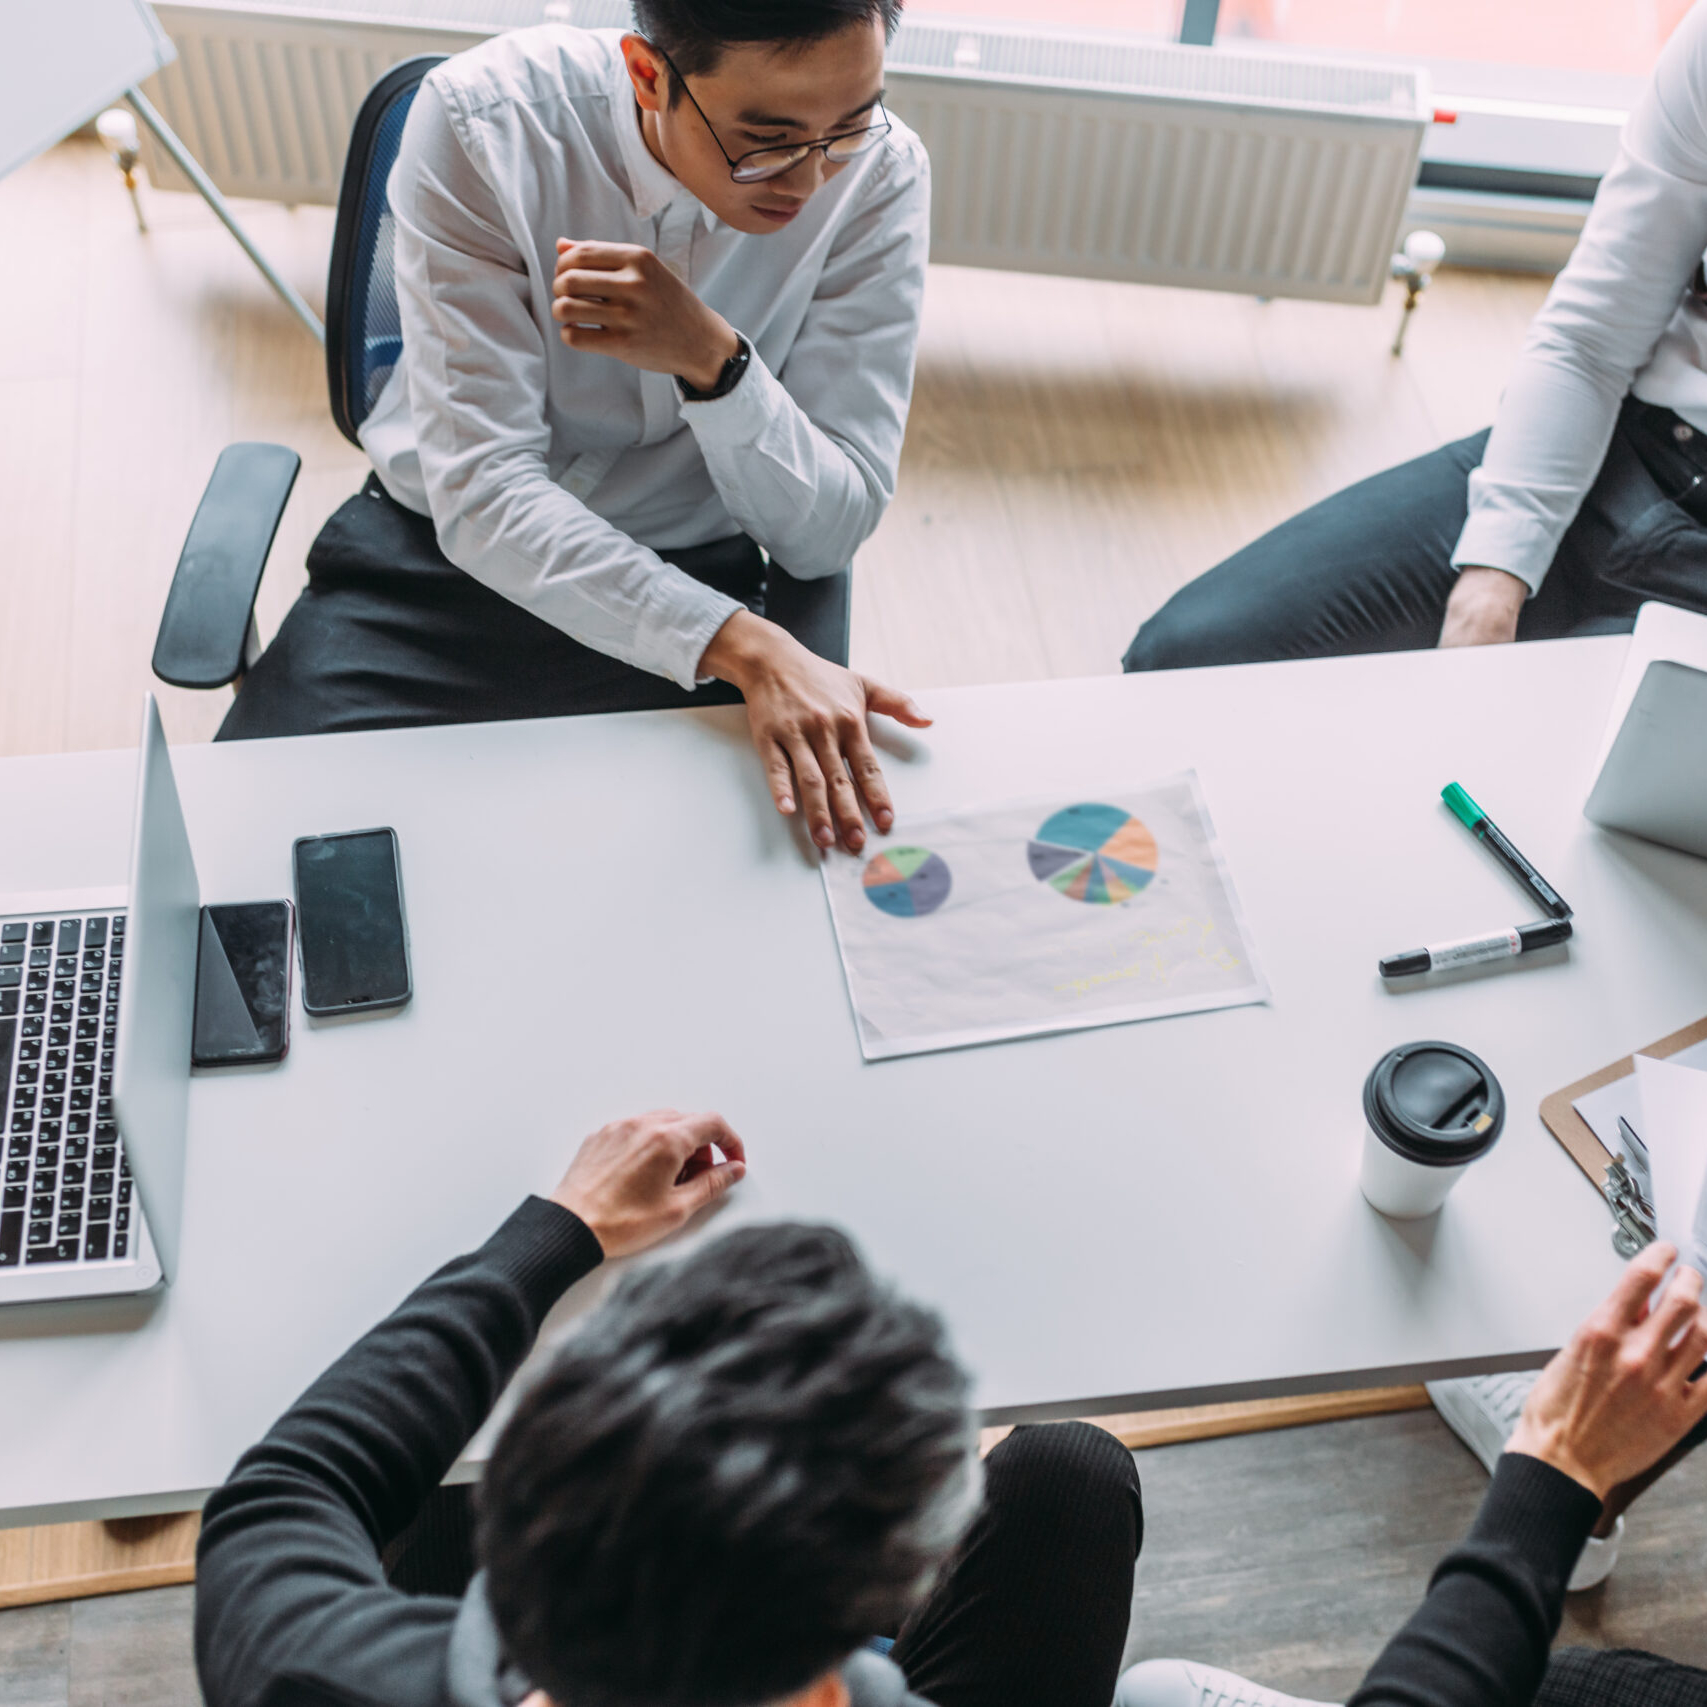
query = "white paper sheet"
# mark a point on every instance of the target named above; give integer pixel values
(1600, 1109)
(1038, 916)
(1674, 1127)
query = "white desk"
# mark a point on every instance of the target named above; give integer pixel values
(607, 916)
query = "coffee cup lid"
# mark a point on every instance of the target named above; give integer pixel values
(1434, 1103)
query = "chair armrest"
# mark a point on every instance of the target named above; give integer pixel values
(206, 621)
(815, 612)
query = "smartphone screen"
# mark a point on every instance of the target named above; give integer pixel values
(242, 985)
(349, 917)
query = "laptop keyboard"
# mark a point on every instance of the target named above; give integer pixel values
(67, 1191)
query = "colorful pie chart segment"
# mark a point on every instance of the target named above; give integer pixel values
(1097, 854)
(907, 883)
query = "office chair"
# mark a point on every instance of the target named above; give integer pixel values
(207, 635)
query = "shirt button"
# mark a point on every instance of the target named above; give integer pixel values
(1683, 432)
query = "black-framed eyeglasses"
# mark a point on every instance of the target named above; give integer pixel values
(758, 164)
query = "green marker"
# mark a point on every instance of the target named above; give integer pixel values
(1486, 831)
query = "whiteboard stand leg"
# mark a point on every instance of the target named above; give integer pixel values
(186, 163)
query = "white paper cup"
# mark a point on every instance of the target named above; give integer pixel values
(1431, 1109)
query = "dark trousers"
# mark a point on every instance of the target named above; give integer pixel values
(1619, 1677)
(1034, 1610)
(1031, 1613)
(1369, 570)
(389, 634)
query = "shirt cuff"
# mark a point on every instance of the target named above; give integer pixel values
(680, 622)
(544, 1249)
(1542, 1514)
(741, 416)
(1497, 538)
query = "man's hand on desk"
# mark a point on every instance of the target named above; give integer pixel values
(1483, 609)
(636, 1181)
(1619, 1397)
(808, 721)
(618, 299)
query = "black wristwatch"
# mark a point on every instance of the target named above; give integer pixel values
(727, 380)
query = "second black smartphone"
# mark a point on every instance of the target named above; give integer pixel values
(349, 920)
(242, 1014)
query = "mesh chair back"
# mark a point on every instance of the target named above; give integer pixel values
(363, 335)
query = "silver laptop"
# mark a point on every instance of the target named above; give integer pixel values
(97, 995)
(1654, 781)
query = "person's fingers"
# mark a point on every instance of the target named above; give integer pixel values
(599, 287)
(687, 1133)
(844, 797)
(1671, 1315)
(868, 777)
(1685, 1351)
(893, 703)
(1628, 1300)
(705, 1189)
(778, 775)
(696, 1164)
(814, 792)
(597, 257)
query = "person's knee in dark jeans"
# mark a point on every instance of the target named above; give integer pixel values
(1035, 1608)
(1367, 570)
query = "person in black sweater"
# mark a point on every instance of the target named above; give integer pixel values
(743, 1476)
(1621, 1401)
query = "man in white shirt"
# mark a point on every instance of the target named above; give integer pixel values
(659, 296)
(1589, 495)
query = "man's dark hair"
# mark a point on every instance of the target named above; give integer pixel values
(739, 1468)
(694, 33)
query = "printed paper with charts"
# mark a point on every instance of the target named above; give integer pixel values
(1051, 915)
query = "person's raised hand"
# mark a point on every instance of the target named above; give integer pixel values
(636, 1181)
(1483, 609)
(808, 722)
(1619, 1397)
(619, 299)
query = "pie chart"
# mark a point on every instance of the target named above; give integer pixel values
(1092, 853)
(907, 883)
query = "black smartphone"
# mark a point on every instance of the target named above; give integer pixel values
(349, 916)
(242, 1011)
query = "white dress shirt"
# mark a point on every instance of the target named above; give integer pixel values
(555, 476)
(1619, 318)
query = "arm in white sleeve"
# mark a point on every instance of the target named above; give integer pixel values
(1601, 321)
(477, 378)
(806, 462)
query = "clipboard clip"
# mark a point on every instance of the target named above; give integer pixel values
(1630, 1209)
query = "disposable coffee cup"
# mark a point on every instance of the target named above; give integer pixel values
(1430, 1110)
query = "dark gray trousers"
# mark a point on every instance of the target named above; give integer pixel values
(1619, 1677)
(1369, 569)
(389, 633)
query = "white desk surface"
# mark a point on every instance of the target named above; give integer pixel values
(607, 916)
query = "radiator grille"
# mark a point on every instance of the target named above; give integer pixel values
(1051, 151)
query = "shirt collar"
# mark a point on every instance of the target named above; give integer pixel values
(652, 187)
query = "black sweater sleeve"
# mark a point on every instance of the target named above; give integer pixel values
(1481, 1637)
(292, 1605)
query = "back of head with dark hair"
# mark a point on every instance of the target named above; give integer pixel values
(741, 1466)
(694, 33)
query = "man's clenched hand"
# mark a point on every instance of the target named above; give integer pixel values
(618, 299)
(636, 1181)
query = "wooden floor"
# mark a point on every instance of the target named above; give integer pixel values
(1077, 451)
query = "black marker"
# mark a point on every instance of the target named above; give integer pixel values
(1486, 831)
(1472, 950)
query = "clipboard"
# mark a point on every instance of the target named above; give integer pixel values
(1569, 1127)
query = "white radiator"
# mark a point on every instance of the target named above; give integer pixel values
(1052, 151)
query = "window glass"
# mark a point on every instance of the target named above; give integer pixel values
(1144, 17)
(1616, 36)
